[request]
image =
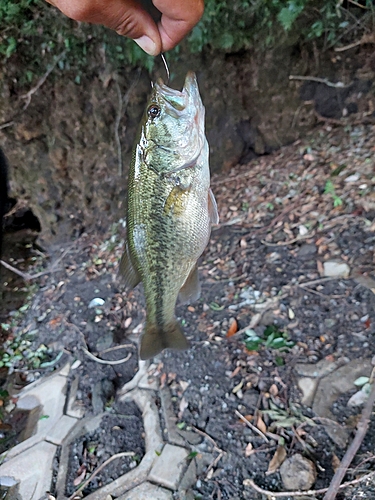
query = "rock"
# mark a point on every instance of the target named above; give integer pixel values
(330, 388)
(336, 269)
(308, 387)
(169, 466)
(298, 473)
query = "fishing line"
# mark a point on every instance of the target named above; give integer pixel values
(165, 66)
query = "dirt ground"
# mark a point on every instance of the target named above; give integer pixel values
(283, 217)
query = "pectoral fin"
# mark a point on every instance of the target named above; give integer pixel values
(191, 289)
(212, 208)
(128, 272)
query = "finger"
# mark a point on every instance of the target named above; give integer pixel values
(178, 18)
(126, 17)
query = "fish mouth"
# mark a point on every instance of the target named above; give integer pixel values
(176, 100)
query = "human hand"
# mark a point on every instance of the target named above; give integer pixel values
(130, 19)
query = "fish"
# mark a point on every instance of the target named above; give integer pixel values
(170, 210)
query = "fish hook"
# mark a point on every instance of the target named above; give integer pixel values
(165, 66)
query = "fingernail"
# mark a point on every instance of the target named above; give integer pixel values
(147, 45)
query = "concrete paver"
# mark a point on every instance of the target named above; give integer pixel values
(147, 491)
(169, 466)
(32, 469)
(58, 433)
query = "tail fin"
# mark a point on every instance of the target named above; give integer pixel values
(155, 339)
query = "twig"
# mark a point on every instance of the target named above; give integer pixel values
(318, 80)
(31, 92)
(104, 361)
(353, 448)
(281, 494)
(116, 347)
(212, 441)
(252, 427)
(358, 4)
(104, 464)
(26, 276)
(35, 89)
(367, 38)
(289, 242)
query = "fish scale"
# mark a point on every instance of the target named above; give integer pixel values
(170, 210)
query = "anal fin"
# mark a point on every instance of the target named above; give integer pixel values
(191, 289)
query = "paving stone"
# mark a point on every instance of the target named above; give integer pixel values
(148, 382)
(61, 430)
(170, 418)
(73, 407)
(320, 369)
(147, 491)
(47, 398)
(169, 466)
(308, 387)
(188, 479)
(32, 469)
(330, 388)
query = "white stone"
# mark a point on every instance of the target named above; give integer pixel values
(336, 269)
(147, 491)
(169, 466)
(32, 469)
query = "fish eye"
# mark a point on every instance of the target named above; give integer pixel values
(153, 111)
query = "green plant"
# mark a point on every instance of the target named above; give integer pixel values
(272, 338)
(330, 189)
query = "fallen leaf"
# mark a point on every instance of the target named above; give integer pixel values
(127, 322)
(335, 462)
(320, 267)
(261, 425)
(163, 379)
(235, 372)
(78, 480)
(182, 407)
(248, 449)
(232, 329)
(277, 460)
(237, 387)
(184, 385)
(274, 391)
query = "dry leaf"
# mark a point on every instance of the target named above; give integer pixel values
(261, 425)
(335, 462)
(78, 480)
(248, 450)
(127, 322)
(274, 391)
(235, 372)
(183, 405)
(237, 387)
(277, 460)
(184, 385)
(232, 329)
(320, 267)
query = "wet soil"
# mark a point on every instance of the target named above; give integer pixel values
(279, 224)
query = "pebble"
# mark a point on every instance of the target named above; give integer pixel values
(298, 473)
(336, 269)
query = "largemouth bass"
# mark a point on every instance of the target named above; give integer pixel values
(170, 210)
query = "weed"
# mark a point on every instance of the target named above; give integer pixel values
(272, 338)
(330, 189)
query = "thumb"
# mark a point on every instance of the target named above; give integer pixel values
(126, 17)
